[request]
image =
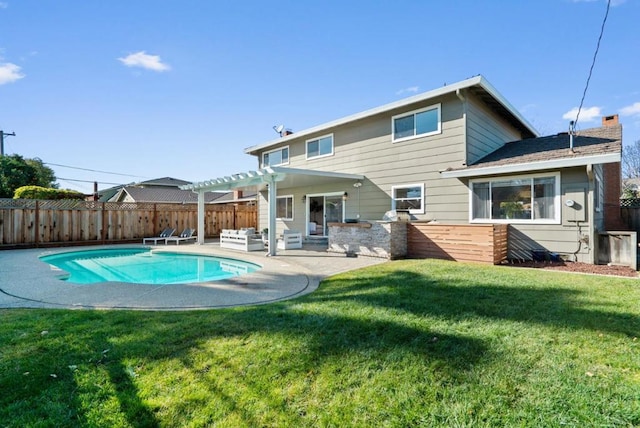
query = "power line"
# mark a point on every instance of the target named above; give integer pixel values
(90, 181)
(94, 170)
(593, 63)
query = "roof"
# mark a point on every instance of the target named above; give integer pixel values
(590, 146)
(229, 197)
(477, 85)
(164, 181)
(165, 195)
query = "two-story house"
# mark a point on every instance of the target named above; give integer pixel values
(459, 154)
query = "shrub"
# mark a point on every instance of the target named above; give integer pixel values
(37, 192)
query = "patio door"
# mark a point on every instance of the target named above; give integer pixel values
(322, 210)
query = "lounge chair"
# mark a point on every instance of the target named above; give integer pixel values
(168, 232)
(186, 235)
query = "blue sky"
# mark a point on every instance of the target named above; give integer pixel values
(154, 88)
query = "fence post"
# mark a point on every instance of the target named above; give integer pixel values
(36, 226)
(104, 224)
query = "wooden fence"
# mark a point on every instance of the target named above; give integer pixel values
(485, 243)
(34, 223)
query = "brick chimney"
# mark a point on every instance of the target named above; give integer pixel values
(610, 120)
(237, 194)
(612, 176)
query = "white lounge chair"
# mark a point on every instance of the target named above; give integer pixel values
(166, 233)
(186, 235)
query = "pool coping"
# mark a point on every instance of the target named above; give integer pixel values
(27, 282)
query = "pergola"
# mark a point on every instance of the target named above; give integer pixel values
(271, 178)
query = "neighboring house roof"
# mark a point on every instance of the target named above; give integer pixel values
(161, 195)
(229, 197)
(478, 85)
(164, 181)
(590, 146)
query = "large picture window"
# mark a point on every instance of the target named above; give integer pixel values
(417, 123)
(516, 199)
(276, 157)
(318, 147)
(284, 207)
(408, 197)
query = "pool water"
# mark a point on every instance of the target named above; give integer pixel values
(142, 266)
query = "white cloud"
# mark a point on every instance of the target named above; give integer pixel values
(411, 89)
(586, 114)
(9, 73)
(632, 110)
(141, 59)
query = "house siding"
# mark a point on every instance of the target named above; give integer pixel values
(365, 147)
(486, 132)
(560, 238)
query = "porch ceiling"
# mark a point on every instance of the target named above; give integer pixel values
(284, 177)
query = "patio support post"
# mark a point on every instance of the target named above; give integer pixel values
(200, 232)
(272, 216)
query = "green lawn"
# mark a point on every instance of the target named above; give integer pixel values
(406, 343)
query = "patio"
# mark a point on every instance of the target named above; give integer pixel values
(29, 283)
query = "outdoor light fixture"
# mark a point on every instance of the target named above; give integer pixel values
(304, 198)
(345, 196)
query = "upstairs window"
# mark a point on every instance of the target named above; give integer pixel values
(284, 207)
(418, 123)
(525, 199)
(276, 157)
(408, 197)
(322, 146)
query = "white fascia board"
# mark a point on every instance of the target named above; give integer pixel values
(377, 110)
(532, 166)
(502, 100)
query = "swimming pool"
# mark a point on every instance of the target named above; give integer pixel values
(143, 266)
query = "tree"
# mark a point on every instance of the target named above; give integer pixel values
(631, 170)
(16, 171)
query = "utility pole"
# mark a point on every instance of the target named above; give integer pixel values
(2, 135)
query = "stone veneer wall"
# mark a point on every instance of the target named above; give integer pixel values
(375, 239)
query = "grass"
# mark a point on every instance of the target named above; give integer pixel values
(406, 343)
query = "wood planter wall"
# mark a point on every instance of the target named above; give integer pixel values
(460, 242)
(33, 223)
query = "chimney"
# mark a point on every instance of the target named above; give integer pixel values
(237, 194)
(610, 120)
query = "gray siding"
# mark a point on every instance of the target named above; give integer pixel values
(562, 238)
(365, 147)
(486, 132)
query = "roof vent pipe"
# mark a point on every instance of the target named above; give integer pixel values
(571, 132)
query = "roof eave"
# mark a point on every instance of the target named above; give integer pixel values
(532, 166)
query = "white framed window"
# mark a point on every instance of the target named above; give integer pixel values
(320, 147)
(276, 157)
(417, 123)
(598, 195)
(408, 197)
(284, 207)
(517, 199)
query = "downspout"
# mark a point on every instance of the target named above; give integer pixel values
(591, 221)
(463, 99)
